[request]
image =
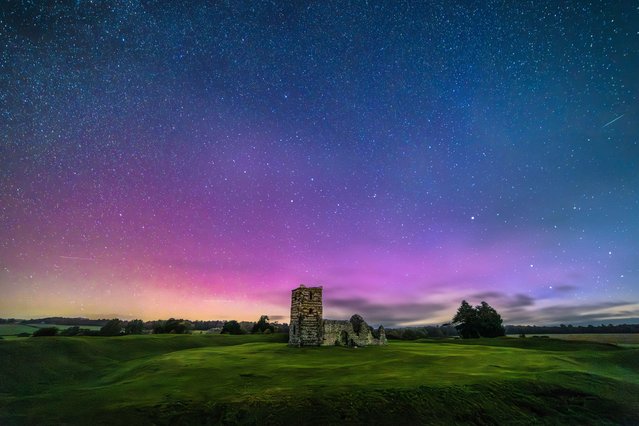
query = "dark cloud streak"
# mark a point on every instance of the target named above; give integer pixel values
(389, 315)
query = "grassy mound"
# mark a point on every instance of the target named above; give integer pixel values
(205, 379)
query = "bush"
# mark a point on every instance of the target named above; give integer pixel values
(71, 331)
(262, 325)
(45, 331)
(232, 327)
(172, 325)
(112, 328)
(135, 326)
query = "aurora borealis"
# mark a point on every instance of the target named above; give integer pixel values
(200, 160)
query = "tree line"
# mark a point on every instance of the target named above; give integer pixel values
(117, 327)
(469, 322)
(572, 329)
(414, 333)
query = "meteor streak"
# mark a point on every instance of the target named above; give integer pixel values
(610, 122)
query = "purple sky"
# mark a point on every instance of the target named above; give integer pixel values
(201, 161)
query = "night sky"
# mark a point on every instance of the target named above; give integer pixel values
(200, 160)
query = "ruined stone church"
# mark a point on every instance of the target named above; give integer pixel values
(309, 328)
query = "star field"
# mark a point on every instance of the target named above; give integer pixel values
(200, 160)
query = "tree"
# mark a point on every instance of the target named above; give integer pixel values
(135, 326)
(71, 331)
(409, 334)
(489, 321)
(262, 325)
(45, 331)
(232, 327)
(466, 321)
(158, 327)
(480, 321)
(172, 325)
(112, 328)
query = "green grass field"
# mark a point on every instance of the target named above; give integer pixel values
(209, 379)
(64, 327)
(13, 329)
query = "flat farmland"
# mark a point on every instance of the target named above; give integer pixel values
(611, 338)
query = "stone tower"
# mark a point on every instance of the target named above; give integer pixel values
(306, 317)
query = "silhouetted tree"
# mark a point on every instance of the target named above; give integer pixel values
(158, 327)
(232, 327)
(182, 327)
(571, 329)
(262, 325)
(71, 331)
(409, 334)
(206, 325)
(480, 321)
(172, 325)
(45, 331)
(489, 321)
(112, 328)
(466, 321)
(135, 326)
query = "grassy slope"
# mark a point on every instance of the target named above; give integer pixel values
(245, 379)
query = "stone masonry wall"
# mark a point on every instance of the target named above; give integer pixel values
(355, 332)
(306, 316)
(336, 332)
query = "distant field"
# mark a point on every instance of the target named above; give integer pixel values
(614, 338)
(258, 379)
(64, 327)
(13, 329)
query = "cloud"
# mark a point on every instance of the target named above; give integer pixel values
(278, 318)
(502, 299)
(388, 315)
(522, 308)
(520, 300)
(564, 288)
(515, 309)
(556, 314)
(487, 295)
